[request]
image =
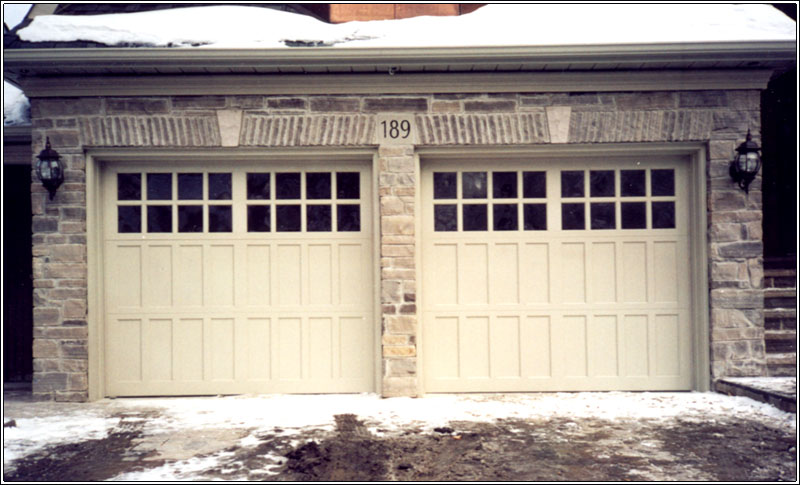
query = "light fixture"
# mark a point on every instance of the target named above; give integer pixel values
(746, 163)
(49, 169)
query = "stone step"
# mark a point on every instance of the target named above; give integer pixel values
(780, 318)
(780, 298)
(787, 262)
(780, 281)
(782, 364)
(780, 341)
(780, 272)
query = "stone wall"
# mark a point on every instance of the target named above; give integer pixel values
(718, 118)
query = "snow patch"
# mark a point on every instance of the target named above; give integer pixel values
(491, 25)
(32, 434)
(16, 106)
(180, 470)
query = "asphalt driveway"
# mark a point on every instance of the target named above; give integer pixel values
(554, 436)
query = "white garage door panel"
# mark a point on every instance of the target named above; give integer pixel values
(507, 308)
(238, 310)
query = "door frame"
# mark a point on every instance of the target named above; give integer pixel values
(97, 158)
(696, 152)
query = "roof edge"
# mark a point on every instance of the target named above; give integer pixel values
(42, 60)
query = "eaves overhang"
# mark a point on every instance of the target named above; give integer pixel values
(36, 67)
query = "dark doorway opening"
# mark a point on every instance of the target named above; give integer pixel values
(17, 272)
(779, 135)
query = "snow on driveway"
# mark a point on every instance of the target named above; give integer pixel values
(296, 414)
(301, 411)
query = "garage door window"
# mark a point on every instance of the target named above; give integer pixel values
(465, 200)
(629, 205)
(162, 208)
(197, 202)
(304, 201)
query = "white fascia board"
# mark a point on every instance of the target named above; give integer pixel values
(407, 83)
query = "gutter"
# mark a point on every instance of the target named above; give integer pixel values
(25, 62)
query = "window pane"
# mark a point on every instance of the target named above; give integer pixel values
(634, 215)
(190, 186)
(219, 186)
(258, 186)
(535, 217)
(159, 218)
(603, 216)
(445, 217)
(663, 215)
(348, 185)
(190, 218)
(318, 218)
(662, 182)
(504, 185)
(318, 185)
(444, 185)
(129, 218)
(505, 217)
(572, 184)
(473, 185)
(348, 217)
(534, 185)
(632, 183)
(474, 216)
(601, 183)
(129, 186)
(573, 216)
(219, 218)
(258, 218)
(287, 185)
(159, 186)
(287, 218)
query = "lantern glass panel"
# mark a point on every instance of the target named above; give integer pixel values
(752, 162)
(44, 170)
(55, 169)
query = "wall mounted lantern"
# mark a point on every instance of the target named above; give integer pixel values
(49, 169)
(746, 163)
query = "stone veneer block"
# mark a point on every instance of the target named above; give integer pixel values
(161, 130)
(260, 129)
(230, 125)
(482, 129)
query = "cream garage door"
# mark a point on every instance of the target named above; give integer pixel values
(232, 279)
(556, 275)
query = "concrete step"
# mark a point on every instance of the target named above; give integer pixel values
(780, 318)
(780, 392)
(782, 364)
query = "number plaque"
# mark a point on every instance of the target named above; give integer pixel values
(393, 129)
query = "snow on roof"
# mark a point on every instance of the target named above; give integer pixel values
(16, 107)
(491, 25)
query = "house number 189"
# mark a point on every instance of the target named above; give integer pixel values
(396, 129)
